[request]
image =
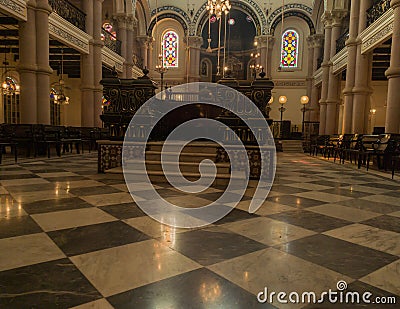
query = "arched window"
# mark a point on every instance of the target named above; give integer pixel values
(10, 91)
(290, 49)
(170, 49)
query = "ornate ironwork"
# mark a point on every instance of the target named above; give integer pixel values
(69, 12)
(378, 8)
(341, 41)
(111, 41)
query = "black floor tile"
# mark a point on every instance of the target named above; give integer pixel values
(310, 220)
(197, 289)
(18, 226)
(341, 256)
(94, 190)
(124, 211)
(55, 284)
(388, 223)
(294, 201)
(55, 205)
(214, 245)
(96, 237)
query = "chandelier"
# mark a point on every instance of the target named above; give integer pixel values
(58, 89)
(218, 7)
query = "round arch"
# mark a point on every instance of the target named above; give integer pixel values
(166, 16)
(142, 14)
(293, 13)
(248, 6)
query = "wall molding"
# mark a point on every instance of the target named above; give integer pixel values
(15, 8)
(112, 59)
(292, 83)
(378, 32)
(67, 33)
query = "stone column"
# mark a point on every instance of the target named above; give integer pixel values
(271, 42)
(327, 19)
(142, 41)
(122, 35)
(44, 70)
(393, 74)
(150, 46)
(310, 72)
(262, 48)
(129, 46)
(351, 45)
(333, 98)
(97, 61)
(27, 66)
(87, 75)
(361, 90)
(194, 44)
(314, 107)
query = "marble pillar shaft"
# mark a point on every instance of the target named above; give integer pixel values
(351, 45)
(27, 66)
(97, 62)
(44, 70)
(333, 88)
(363, 76)
(87, 75)
(392, 124)
(325, 76)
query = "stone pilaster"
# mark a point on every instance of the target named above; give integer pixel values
(27, 65)
(393, 74)
(351, 45)
(87, 75)
(363, 75)
(194, 44)
(326, 64)
(122, 34)
(333, 98)
(97, 61)
(317, 41)
(44, 70)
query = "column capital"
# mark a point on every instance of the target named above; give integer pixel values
(121, 20)
(315, 40)
(195, 41)
(44, 6)
(337, 17)
(395, 4)
(327, 19)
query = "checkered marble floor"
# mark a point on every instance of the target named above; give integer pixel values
(70, 237)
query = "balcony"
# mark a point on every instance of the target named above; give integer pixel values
(69, 12)
(341, 41)
(111, 41)
(378, 8)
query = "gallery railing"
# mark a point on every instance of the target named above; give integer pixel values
(341, 41)
(69, 12)
(378, 8)
(111, 41)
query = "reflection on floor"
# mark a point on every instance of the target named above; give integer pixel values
(70, 237)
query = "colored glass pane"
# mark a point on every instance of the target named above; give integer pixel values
(170, 49)
(290, 49)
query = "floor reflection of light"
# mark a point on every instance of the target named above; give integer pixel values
(246, 276)
(210, 292)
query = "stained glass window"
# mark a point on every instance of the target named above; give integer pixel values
(290, 49)
(170, 49)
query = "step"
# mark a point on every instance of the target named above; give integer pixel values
(183, 156)
(189, 167)
(193, 147)
(159, 177)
